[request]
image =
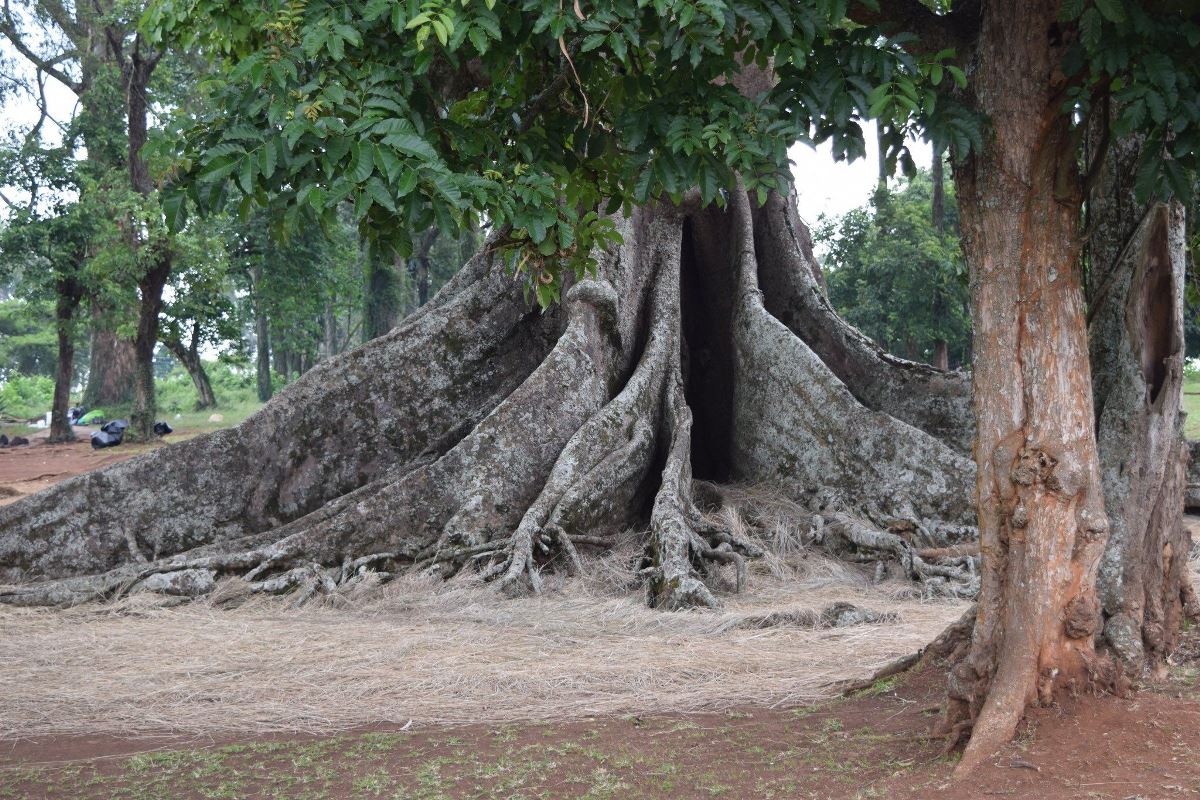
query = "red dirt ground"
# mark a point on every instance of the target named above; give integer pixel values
(876, 745)
(38, 465)
(871, 746)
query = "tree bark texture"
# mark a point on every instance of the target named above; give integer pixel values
(136, 72)
(383, 301)
(110, 366)
(932, 400)
(150, 290)
(1137, 261)
(67, 296)
(482, 433)
(262, 338)
(1042, 521)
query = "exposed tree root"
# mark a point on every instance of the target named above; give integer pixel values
(956, 576)
(533, 449)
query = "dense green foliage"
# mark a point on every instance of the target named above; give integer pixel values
(25, 396)
(537, 115)
(27, 340)
(305, 275)
(896, 277)
(232, 380)
(1134, 64)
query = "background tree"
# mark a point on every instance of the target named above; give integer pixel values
(201, 312)
(305, 292)
(28, 341)
(897, 278)
(45, 242)
(96, 52)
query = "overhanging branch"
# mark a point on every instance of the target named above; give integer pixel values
(8, 27)
(934, 32)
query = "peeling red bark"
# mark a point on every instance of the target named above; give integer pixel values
(1041, 510)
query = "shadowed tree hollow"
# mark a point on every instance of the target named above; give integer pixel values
(483, 433)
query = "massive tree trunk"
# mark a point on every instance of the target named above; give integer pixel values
(110, 365)
(935, 401)
(1136, 263)
(1042, 521)
(483, 433)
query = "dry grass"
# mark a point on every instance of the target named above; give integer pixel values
(444, 652)
(435, 652)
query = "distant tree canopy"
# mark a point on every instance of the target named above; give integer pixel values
(896, 277)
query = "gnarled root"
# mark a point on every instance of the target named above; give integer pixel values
(946, 573)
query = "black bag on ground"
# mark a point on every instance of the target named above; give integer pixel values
(116, 427)
(102, 439)
(162, 429)
(3, 440)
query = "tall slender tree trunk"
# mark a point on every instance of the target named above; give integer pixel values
(189, 357)
(382, 297)
(282, 358)
(1137, 262)
(941, 354)
(262, 338)
(329, 330)
(150, 287)
(68, 294)
(418, 264)
(941, 350)
(136, 74)
(1042, 521)
(938, 201)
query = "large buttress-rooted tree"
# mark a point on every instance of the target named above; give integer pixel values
(483, 432)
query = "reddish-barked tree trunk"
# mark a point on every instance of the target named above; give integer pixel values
(1042, 521)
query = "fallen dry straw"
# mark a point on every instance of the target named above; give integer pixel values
(434, 652)
(442, 653)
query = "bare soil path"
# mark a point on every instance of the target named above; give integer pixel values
(27, 469)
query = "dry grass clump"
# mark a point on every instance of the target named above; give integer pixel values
(452, 652)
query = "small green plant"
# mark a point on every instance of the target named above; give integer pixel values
(879, 687)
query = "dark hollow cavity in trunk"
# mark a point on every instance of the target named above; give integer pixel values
(707, 291)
